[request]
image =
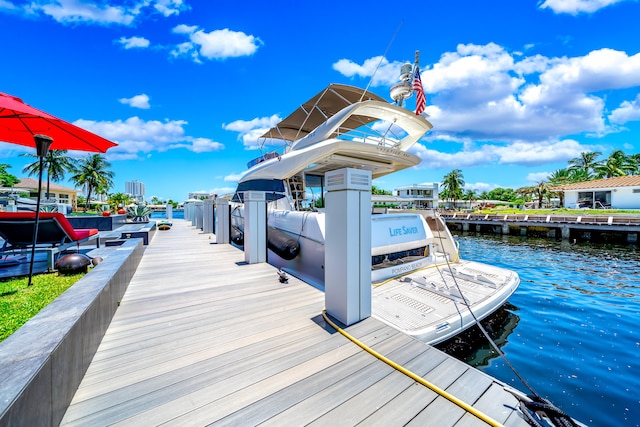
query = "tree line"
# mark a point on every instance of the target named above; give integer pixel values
(586, 167)
(91, 172)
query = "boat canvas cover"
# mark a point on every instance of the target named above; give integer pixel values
(318, 109)
(274, 189)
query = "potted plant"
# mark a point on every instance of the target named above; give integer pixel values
(139, 213)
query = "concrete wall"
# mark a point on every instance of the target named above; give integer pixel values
(101, 223)
(625, 198)
(42, 364)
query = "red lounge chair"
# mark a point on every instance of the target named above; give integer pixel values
(55, 233)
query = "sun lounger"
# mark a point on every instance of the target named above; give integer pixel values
(55, 233)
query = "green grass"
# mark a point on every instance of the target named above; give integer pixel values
(560, 211)
(19, 302)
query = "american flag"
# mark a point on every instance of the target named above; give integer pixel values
(421, 99)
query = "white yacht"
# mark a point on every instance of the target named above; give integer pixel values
(420, 286)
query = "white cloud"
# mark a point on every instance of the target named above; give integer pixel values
(483, 92)
(234, 177)
(170, 7)
(222, 191)
(598, 70)
(537, 177)
(75, 11)
(512, 109)
(386, 74)
(7, 5)
(200, 145)
(217, 44)
(89, 12)
(627, 111)
(251, 131)
(533, 154)
(133, 42)
(480, 187)
(574, 7)
(9, 150)
(135, 136)
(138, 101)
(459, 159)
(517, 153)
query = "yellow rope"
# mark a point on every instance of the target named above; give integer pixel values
(415, 377)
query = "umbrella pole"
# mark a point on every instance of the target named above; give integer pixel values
(43, 143)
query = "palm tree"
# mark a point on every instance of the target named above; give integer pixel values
(541, 189)
(470, 196)
(92, 172)
(559, 178)
(379, 191)
(452, 183)
(586, 161)
(617, 164)
(56, 163)
(7, 179)
(118, 200)
(526, 192)
(635, 158)
(578, 175)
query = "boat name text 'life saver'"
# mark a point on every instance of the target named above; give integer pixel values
(401, 231)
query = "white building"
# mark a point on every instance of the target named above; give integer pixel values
(201, 196)
(135, 189)
(419, 196)
(617, 193)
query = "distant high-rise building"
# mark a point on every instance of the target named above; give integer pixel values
(135, 189)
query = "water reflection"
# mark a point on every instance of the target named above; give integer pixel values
(472, 347)
(574, 333)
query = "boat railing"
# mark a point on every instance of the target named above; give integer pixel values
(368, 136)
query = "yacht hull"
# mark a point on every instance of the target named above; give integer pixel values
(432, 297)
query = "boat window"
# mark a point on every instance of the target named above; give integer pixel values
(395, 258)
(314, 186)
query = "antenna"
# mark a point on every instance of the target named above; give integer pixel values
(381, 58)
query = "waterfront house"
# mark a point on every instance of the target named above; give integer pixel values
(618, 193)
(419, 196)
(58, 193)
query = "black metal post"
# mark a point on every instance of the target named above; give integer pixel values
(43, 143)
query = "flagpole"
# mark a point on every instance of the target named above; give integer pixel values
(421, 97)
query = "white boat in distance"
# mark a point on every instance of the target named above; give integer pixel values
(420, 286)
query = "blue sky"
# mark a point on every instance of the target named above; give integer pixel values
(514, 88)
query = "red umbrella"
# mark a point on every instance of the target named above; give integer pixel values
(19, 123)
(24, 125)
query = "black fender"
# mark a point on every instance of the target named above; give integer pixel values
(281, 244)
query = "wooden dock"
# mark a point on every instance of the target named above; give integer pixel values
(202, 338)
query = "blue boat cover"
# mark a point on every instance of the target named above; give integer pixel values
(274, 189)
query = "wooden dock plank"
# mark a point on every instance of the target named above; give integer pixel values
(487, 404)
(266, 387)
(315, 393)
(442, 412)
(201, 337)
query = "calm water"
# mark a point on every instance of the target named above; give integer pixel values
(571, 328)
(161, 215)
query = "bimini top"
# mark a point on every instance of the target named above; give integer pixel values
(318, 109)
